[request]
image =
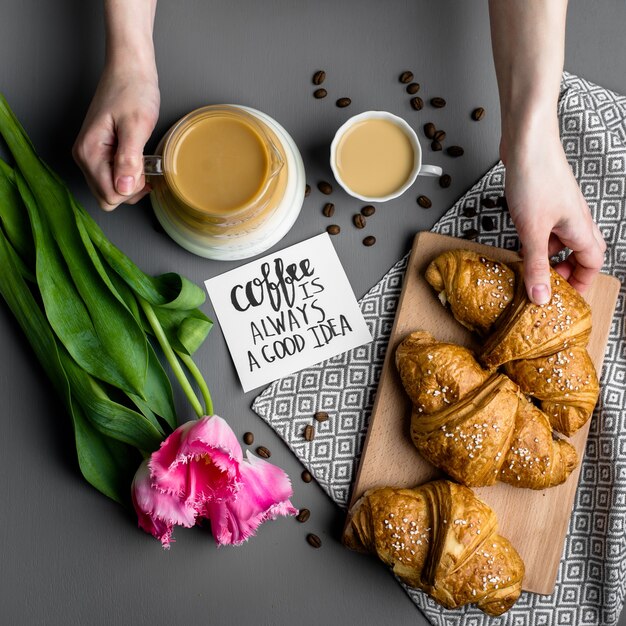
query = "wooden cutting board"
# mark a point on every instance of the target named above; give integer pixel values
(536, 522)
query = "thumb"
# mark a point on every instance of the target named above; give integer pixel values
(537, 268)
(128, 161)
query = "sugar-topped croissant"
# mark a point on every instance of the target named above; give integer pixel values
(440, 538)
(476, 425)
(542, 347)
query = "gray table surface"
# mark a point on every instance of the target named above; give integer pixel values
(69, 555)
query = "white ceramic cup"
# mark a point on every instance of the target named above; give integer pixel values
(419, 168)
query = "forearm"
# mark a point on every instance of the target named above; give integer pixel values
(129, 27)
(528, 39)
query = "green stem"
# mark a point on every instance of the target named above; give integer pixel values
(170, 356)
(197, 376)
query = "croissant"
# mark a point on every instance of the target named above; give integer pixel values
(475, 425)
(442, 539)
(542, 348)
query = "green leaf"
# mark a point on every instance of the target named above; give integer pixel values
(106, 464)
(92, 337)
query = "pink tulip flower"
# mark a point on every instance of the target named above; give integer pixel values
(199, 473)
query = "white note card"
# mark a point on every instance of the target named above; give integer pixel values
(287, 311)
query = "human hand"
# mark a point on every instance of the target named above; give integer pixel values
(550, 213)
(119, 122)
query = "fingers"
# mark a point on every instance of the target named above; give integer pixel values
(536, 265)
(588, 258)
(128, 178)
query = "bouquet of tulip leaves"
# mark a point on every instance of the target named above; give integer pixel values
(91, 316)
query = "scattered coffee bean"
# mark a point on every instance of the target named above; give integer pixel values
(342, 103)
(430, 130)
(440, 135)
(435, 146)
(501, 201)
(333, 229)
(455, 151)
(309, 432)
(321, 416)
(469, 211)
(263, 452)
(306, 476)
(413, 88)
(329, 209)
(303, 515)
(248, 439)
(406, 77)
(368, 210)
(417, 103)
(307, 191)
(438, 103)
(313, 540)
(445, 180)
(488, 203)
(471, 233)
(478, 114)
(358, 220)
(319, 77)
(320, 93)
(487, 223)
(325, 188)
(424, 202)
(370, 240)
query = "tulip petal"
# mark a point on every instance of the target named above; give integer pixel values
(264, 494)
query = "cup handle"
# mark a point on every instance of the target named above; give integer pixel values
(430, 170)
(153, 165)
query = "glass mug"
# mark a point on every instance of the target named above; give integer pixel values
(226, 181)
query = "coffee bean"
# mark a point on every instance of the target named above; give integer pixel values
(306, 476)
(319, 77)
(430, 130)
(478, 114)
(487, 223)
(488, 203)
(471, 233)
(445, 180)
(309, 432)
(248, 439)
(325, 188)
(455, 151)
(313, 540)
(438, 103)
(370, 240)
(503, 203)
(307, 191)
(435, 146)
(424, 202)
(368, 210)
(417, 103)
(321, 416)
(329, 209)
(262, 451)
(320, 93)
(413, 88)
(406, 77)
(469, 211)
(303, 515)
(333, 229)
(440, 135)
(342, 103)
(500, 201)
(358, 220)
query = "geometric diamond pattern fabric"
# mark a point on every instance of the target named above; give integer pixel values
(592, 573)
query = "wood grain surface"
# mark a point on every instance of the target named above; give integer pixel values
(535, 521)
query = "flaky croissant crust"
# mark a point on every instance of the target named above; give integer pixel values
(542, 348)
(442, 539)
(477, 426)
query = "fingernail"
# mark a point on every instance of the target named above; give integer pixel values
(540, 294)
(125, 185)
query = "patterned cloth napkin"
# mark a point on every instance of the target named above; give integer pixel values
(592, 574)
